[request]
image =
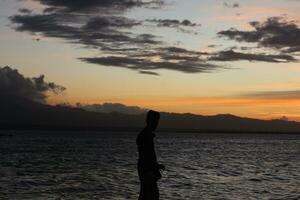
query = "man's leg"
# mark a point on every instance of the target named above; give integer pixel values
(155, 191)
(142, 191)
(151, 190)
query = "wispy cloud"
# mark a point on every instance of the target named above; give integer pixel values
(149, 73)
(144, 64)
(104, 25)
(229, 4)
(293, 94)
(232, 55)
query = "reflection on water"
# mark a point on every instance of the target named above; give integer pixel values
(66, 165)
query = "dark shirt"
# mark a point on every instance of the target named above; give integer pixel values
(147, 156)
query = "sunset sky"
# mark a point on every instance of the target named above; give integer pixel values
(199, 56)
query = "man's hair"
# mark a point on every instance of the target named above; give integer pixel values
(152, 115)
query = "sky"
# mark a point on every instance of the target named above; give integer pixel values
(198, 56)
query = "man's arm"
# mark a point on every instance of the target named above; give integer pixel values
(158, 166)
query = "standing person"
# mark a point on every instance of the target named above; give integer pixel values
(148, 167)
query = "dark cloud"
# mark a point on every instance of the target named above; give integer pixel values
(212, 46)
(15, 84)
(292, 49)
(173, 23)
(96, 32)
(293, 94)
(171, 54)
(113, 107)
(231, 5)
(183, 60)
(103, 25)
(99, 23)
(170, 57)
(231, 55)
(275, 32)
(78, 22)
(149, 73)
(181, 51)
(91, 22)
(105, 33)
(142, 64)
(46, 24)
(25, 10)
(88, 5)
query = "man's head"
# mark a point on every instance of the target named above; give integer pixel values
(152, 119)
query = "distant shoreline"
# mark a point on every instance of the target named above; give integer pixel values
(132, 129)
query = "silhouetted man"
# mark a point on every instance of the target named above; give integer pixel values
(148, 168)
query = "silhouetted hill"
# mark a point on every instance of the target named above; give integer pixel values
(20, 113)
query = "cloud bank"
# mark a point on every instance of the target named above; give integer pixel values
(12, 83)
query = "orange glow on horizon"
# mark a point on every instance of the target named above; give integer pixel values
(244, 107)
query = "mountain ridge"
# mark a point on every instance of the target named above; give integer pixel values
(21, 113)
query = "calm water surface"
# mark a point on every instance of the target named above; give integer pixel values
(90, 165)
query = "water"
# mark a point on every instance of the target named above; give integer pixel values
(90, 165)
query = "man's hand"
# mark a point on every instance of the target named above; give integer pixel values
(161, 167)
